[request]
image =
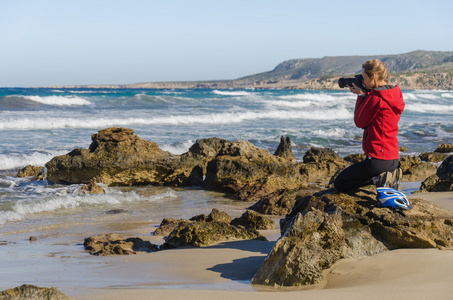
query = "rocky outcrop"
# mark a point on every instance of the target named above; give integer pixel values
(116, 244)
(243, 169)
(115, 157)
(202, 234)
(325, 227)
(442, 180)
(201, 230)
(31, 292)
(118, 157)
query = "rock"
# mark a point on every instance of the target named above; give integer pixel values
(32, 238)
(201, 231)
(407, 161)
(115, 157)
(442, 180)
(284, 149)
(403, 149)
(414, 169)
(433, 157)
(29, 171)
(31, 292)
(251, 219)
(116, 244)
(199, 218)
(202, 234)
(320, 155)
(281, 201)
(168, 225)
(325, 227)
(419, 172)
(319, 244)
(444, 148)
(218, 216)
(92, 188)
(250, 172)
(320, 164)
(355, 158)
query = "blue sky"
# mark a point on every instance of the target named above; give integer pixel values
(66, 42)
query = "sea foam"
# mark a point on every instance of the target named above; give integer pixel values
(59, 100)
(16, 161)
(429, 108)
(231, 93)
(54, 199)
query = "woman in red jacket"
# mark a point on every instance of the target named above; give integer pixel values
(377, 111)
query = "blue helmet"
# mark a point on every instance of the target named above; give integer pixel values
(393, 198)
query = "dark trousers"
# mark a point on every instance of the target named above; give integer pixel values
(362, 173)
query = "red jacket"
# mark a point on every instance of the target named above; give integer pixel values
(378, 114)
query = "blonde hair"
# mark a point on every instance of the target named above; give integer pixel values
(378, 68)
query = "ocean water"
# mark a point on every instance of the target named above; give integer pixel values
(38, 124)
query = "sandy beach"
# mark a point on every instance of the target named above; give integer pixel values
(222, 271)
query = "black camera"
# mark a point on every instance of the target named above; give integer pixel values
(358, 79)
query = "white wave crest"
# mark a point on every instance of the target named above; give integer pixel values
(429, 108)
(335, 132)
(178, 148)
(59, 100)
(16, 161)
(420, 96)
(231, 93)
(221, 118)
(291, 104)
(321, 97)
(70, 198)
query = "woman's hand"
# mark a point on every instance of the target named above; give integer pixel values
(356, 90)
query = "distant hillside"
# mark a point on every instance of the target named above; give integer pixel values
(413, 70)
(311, 68)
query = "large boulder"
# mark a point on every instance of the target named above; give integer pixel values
(116, 156)
(442, 180)
(250, 172)
(325, 227)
